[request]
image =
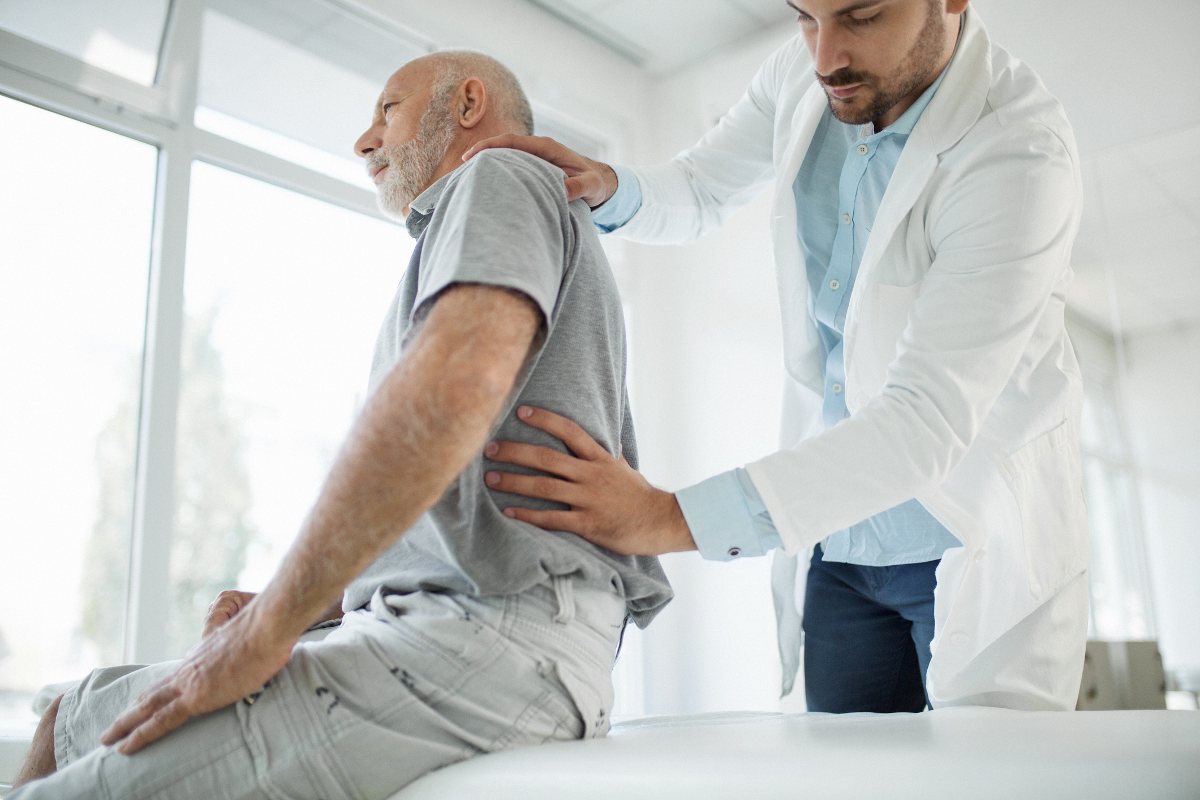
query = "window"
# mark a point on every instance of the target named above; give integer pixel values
(283, 298)
(120, 36)
(1119, 581)
(1119, 585)
(75, 233)
(265, 67)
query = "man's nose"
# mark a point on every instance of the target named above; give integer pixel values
(828, 51)
(367, 143)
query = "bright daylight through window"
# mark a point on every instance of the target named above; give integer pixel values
(74, 257)
(150, 461)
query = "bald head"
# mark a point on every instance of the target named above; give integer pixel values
(430, 112)
(450, 69)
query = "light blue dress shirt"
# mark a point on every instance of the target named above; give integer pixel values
(838, 191)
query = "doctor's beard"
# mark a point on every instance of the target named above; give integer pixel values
(915, 69)
(411, 164)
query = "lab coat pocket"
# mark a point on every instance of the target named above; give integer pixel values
(1045, 478)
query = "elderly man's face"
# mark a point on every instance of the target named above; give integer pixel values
(409, 136)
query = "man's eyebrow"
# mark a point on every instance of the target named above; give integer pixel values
(849, 9)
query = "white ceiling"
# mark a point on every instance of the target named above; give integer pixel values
(1128, 75)
(664, 35)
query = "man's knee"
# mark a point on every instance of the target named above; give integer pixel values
(41, 760)
(51, 713)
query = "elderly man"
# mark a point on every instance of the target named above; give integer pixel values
(465, 631)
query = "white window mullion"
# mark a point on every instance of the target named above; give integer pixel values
(252, 163)
(100, 88)
(154, 508)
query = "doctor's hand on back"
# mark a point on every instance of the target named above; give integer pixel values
(610, 503)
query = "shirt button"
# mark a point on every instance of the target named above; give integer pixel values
(837, 388)
(863, 149)
(845, 219)
(835, 284)
(734, 552)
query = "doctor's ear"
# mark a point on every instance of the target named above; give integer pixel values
(471, 103)
(956, 6)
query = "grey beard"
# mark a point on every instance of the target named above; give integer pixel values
(411, 165)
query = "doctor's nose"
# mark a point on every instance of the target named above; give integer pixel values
(826, 46)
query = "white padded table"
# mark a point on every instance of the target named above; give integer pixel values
(953, 753)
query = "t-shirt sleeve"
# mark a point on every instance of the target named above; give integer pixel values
(502, 221)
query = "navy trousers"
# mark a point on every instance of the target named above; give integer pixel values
(866, 636)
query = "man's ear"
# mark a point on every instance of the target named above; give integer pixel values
(471, 103)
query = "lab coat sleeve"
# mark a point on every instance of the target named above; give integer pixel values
(1001, 229)
(702, 186)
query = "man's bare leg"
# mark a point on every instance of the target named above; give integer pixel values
(40, 761)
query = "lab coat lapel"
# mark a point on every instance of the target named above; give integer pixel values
(950, 114)
(800, 342)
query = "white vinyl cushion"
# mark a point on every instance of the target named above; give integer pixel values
(948, 754)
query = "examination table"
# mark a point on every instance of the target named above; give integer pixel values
(950, 754)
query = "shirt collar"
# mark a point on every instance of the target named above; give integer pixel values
(420, 210)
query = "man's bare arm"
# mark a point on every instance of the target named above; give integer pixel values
(418, 430)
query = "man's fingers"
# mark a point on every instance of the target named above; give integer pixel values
(537, 486)
(577, 187)
(569, 521)
(574, 437)
(541, 146)
(535, 457)
(162, 722)
(146, 706)
(228, 604)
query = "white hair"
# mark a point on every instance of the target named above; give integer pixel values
(455, 66)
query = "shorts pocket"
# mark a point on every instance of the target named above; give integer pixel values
(549, 717)
(593, 699)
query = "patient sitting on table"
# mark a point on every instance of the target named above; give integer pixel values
(465, 631)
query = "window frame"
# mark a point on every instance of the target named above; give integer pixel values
(162, 116)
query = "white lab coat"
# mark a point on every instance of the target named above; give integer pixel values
(962, 386)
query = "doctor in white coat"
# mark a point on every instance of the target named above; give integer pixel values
(954, 389)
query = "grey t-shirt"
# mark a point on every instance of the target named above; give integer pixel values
(503, 219)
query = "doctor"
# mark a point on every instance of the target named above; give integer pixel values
(926, 197)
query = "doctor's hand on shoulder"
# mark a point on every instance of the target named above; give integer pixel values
(611, 504)
(593, 181)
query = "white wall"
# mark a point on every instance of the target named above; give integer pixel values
(707, 382)
(1161, 385)
(559, 67)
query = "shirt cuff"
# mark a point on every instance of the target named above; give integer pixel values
(727, 517)
(620, 208)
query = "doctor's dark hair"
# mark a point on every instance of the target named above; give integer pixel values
(510, 102)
